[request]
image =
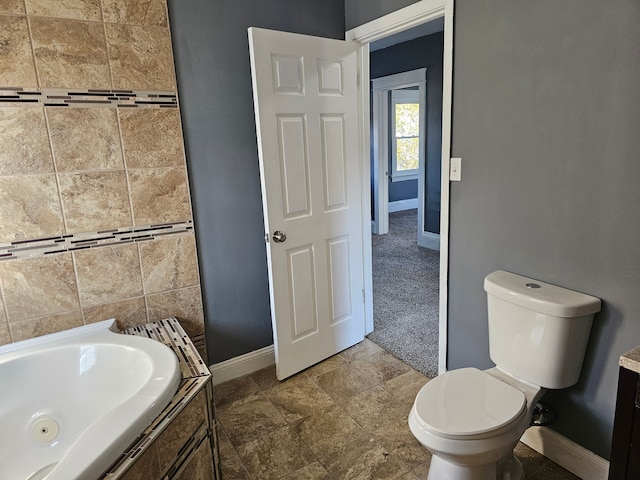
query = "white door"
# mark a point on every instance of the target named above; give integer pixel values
(306, 106)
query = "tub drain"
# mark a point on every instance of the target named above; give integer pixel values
(45, 430)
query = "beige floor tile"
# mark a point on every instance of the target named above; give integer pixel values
(299, 398)
(408, 476)
(531, 460)
(551, 471)
(364, 461)
(381, 366)
(314, 471)
(375, 409)
(342, 383)
(361, 350)
(329, 364)
(275, 455)
(266, 378)
(398, 439)
(422, 472)
(248, 421)
(329, 431)
(235, 392)
(363, 435)
(405, 387)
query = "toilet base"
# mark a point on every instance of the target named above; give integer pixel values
(509, 468)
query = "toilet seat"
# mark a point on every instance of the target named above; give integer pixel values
(467, 404)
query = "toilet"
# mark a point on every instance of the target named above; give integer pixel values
(471, 419)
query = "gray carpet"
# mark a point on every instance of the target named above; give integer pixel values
(405, 295)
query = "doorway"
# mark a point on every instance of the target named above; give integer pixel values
(405, 160)
(400, 21)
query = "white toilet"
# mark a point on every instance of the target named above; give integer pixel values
(471, 420)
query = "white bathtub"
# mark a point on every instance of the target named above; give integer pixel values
(72, 402)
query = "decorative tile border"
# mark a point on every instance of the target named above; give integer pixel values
(58, 97)
(170, 332)
(81, 241)
(195, 376)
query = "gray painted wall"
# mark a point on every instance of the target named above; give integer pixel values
(546, 118)
(403, 190)
(357, 12)
(214, 83)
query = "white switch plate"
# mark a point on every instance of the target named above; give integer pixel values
(455, 172)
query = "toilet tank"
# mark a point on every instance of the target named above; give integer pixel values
(538, 332)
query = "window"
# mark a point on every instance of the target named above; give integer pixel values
(405, 134)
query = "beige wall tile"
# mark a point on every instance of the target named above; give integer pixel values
(11, 6)
(36, 327)
(184, 304)
(40, 286)
(129, 313)
(141, 57)
(146, 466)
(169, 263)
(79, 9)
(29, 208)
(159, 195)
(5, 337)
(85, 139)
(183, 427)
(16, 60)
(137, 12)
(152, 137)
(70, 53)
(200, 464)
(95, 201)
(25, 144)
(108, 274)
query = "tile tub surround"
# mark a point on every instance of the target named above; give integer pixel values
(95, 208)
(181, 441)
(343, 418)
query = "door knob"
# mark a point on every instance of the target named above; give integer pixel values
(279, 237)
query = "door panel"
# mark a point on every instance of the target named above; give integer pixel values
(294, 164)
(339, 279)
(305, 99)
(334, 161)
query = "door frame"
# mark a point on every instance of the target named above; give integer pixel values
(413, 15)
(380, 89)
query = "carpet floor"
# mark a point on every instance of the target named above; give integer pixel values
(405, 294)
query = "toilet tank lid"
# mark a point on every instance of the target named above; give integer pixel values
(540, 296)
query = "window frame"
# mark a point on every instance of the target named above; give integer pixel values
(396, 97)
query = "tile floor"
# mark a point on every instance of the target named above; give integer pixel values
(345, 418)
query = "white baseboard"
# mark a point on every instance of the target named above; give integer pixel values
(400, 205)
(566, 453)
(242, 365)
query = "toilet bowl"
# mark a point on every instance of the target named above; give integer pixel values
(471, 419)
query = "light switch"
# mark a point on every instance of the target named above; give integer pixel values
(455, 172)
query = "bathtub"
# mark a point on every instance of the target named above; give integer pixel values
(72, 402)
